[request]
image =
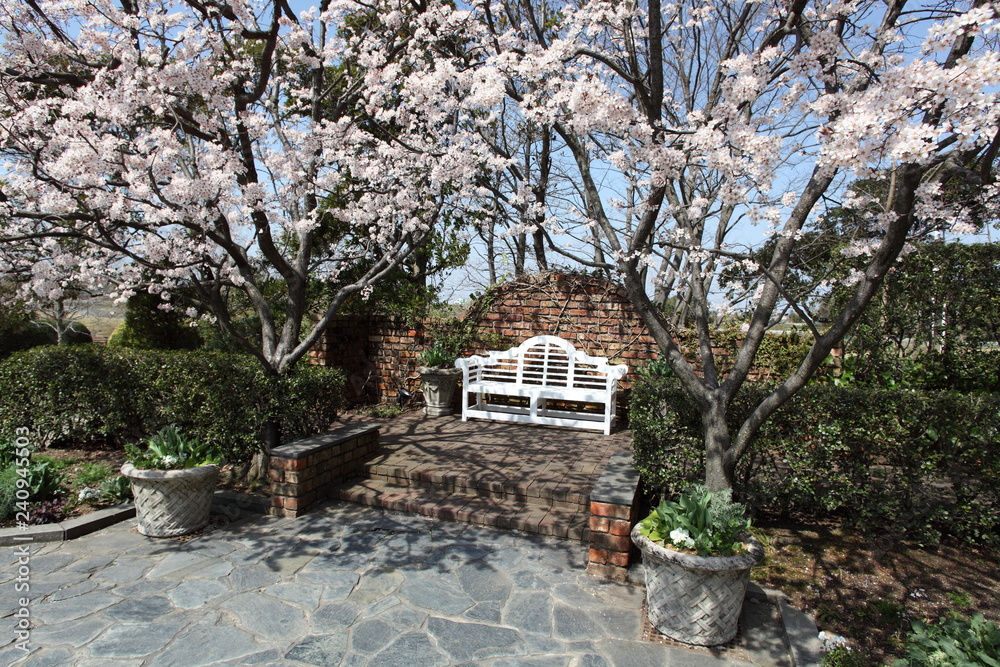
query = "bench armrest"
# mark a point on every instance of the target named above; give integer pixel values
(468, 363)
(471, 367)
(617, 371)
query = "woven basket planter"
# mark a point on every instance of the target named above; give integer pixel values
(696, 599)
(172, 502)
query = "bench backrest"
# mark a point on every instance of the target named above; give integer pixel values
(548, 361)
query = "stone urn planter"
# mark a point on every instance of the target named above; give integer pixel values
(696, 599)
(172, 502)
(438, 388)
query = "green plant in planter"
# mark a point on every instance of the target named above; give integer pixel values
(170, 449)
(700, 520)
(438, 355)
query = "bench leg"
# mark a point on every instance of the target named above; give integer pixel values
(609, 415)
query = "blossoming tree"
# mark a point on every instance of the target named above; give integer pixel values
(729, 126)
(228, 147)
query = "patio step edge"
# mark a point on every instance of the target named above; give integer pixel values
(535, 493)
(468, 508)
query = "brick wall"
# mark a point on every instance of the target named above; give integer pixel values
(592, 313)
(614, 510)
(379, 354)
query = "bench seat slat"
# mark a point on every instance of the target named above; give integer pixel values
(582, 395)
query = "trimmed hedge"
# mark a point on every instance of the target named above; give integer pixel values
(20, 333)
(921, 464)
(89, 395)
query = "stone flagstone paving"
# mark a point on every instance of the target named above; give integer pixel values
(345, 585)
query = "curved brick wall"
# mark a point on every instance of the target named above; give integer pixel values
(379, 354)
(594, 314)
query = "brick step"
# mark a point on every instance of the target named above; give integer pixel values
(486, 484)
(468, 508)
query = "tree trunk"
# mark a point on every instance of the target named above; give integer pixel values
(257, 471)
(520, 253)
(719, 473)
(539, 245)
(60, 326)
(491, 261)
(272, 434)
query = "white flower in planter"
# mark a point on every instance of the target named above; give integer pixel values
(681, 538)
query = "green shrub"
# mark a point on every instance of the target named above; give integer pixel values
(117, 338)
(197, 391)
(923, 464)
(18, 332)
(77, 334)
(953, 640)
(86, 395)
(79, 394)
(214, 397)
(666, 435)
(147, 327)
(307, 400)
(960, 367)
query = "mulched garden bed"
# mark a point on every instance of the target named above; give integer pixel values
(869, 589)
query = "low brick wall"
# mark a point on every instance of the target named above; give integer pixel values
(614, 510)
(306, 472)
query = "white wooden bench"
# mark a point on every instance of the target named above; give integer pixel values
(541, 369)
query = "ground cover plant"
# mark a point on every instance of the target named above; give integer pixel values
(953, 640)
(61, 483)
